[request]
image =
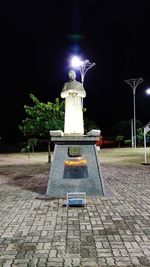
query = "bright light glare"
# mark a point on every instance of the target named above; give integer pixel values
(76, 62)
(148, 91)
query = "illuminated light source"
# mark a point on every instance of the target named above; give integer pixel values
(76, 62)
(70, 163)
(83, 66)
(148, 91)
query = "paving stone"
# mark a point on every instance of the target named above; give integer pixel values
(7, 263)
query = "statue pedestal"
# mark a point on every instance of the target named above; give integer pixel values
(75, 167)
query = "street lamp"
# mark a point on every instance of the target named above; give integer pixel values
(83, 66)
(134, 83)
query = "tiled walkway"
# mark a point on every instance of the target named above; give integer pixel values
(111, 231)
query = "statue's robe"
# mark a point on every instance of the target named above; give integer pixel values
(73, 108)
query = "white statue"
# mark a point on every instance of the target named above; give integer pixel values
(73, 92)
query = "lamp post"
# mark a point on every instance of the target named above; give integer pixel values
(134, 83)
(83, 66)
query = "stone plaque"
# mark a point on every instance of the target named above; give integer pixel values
(75, 172)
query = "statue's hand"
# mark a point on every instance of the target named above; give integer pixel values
(72, 92)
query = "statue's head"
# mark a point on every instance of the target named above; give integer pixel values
(72, 75)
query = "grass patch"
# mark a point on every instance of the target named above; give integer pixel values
(114, 156)
(123, 156)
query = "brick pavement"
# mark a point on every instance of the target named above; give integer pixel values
(111, 231)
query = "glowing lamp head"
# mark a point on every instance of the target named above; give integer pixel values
(148, 91)
(76, 62)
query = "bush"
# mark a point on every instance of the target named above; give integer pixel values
(25, 149)
(119, 139)
(127, 142)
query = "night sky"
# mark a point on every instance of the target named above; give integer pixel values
(38, 38)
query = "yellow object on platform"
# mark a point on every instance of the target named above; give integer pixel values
(81, 162)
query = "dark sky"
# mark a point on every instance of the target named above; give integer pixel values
(38, 38)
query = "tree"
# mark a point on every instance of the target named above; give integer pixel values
(30, 145)
(89, 124)
(140, 136)
(124, 128)
(41, 118)
(128, 142)
(119, 139)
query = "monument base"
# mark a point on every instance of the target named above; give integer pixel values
(75, 167)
